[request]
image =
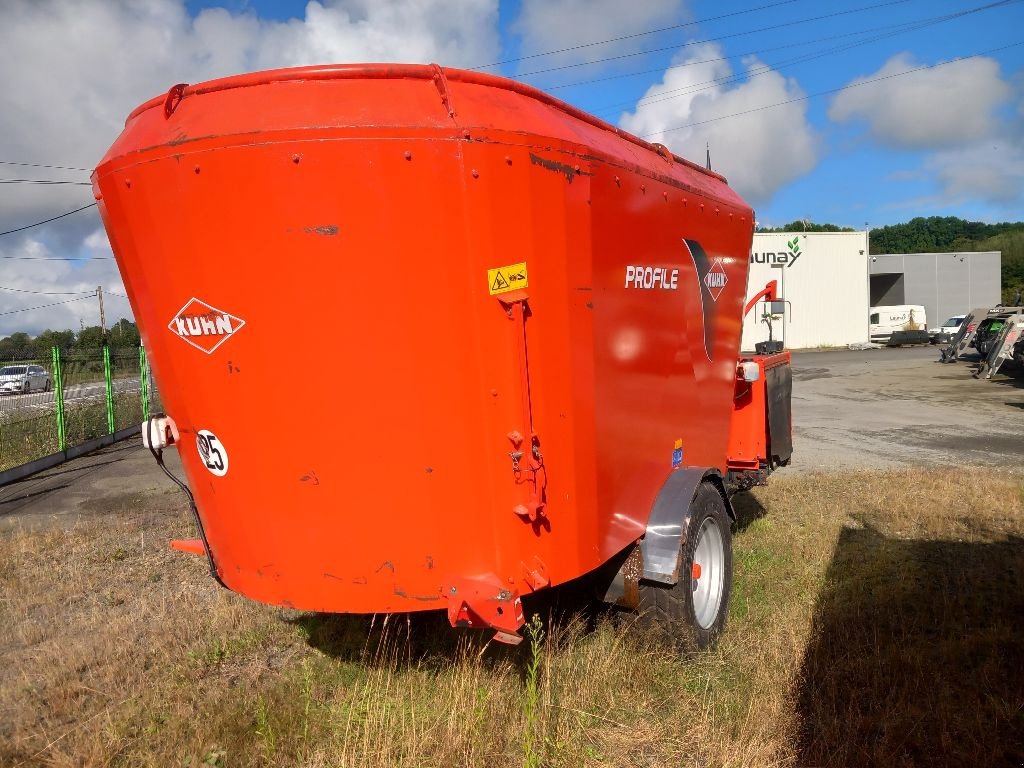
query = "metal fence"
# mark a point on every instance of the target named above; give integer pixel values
(50, 403)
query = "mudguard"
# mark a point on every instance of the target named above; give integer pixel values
(670, 519)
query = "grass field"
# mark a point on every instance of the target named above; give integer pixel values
(877, 619)
(31, 433)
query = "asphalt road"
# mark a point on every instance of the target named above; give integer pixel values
(10, 404)
(883, 408)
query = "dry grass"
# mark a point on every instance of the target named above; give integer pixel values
(878, 619)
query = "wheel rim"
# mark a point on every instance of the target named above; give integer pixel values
(707, 575)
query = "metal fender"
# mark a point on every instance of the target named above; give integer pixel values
(670, 518)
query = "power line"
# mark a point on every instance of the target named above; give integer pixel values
(767, 68)
(831, 90)
(44, 306)
(58, 258)
(45, 221)
(759, 30)
(44, 293)
(40, 165)
(111, 293)
(904, 27)
(44, 181)
(632, 36)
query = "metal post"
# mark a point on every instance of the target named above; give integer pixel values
(782, 294)
(103, 314)
(144, 383)
(110, 388)
(58, 398)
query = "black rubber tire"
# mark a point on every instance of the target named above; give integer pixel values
(670, 609)
(26, 388)
(47, 387)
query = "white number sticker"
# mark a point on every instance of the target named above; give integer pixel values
(212, 452)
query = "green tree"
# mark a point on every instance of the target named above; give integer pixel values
(124, 333)
(89, 339)
(806, 226)
(49, 339)
(17, 345)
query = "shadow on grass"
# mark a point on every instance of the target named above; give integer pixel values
(425, 639)
(748, 510)
(916, 655)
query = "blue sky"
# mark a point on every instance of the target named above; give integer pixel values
(857, 179)
(946, 140)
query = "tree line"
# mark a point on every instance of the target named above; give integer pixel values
(89, 340)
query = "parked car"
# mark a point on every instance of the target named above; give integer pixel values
(22, 379)
(945, 333)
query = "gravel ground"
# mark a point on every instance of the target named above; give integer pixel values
(881, 408)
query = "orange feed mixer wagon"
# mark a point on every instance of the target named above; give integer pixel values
(430, 339)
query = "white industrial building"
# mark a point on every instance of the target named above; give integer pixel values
(824, 278)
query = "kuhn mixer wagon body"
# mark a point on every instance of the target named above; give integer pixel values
(432, 339)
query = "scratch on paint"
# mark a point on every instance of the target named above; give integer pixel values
(423, 598)
(329, 230)
(310, 478)
(386, 564)
(553, 165)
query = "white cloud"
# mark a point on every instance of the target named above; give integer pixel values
(992, 172)
(38, 274)
(550, 25)
(71, 72)
(759, 152)
(944, 106)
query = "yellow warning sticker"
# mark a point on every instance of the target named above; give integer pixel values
(504, 279)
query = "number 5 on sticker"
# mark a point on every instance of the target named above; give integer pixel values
(212, 452)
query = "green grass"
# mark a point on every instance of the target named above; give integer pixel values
(29, 434)
(877, 619)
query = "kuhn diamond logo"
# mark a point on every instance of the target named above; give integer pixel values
(716, 279)
(203, 326)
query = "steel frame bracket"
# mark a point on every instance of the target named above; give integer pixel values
(485, 602)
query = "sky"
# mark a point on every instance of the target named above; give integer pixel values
(857, 112)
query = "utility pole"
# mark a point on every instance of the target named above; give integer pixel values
(103, 315)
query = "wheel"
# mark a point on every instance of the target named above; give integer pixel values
(46, 387)
(693, 612)
(26, 388)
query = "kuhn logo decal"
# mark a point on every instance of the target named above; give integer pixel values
(715, 279)
(203, 326)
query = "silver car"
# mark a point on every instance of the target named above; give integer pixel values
(22, 379)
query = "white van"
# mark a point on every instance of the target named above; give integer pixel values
(885, 321)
